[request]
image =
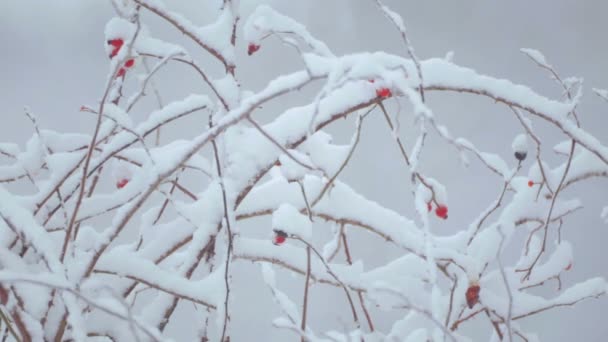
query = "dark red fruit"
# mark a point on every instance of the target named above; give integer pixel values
(252, 48)
(121, 72)
(116, 44)
(442, 211)
(520, 156)
(429, 206)
(384, 93)
(122, 183)
(279, 237)
(130, 63)
(530, 183)
(472, 295)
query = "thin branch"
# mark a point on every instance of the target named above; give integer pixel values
(349, 259)
(350, 300)
(306, 286)
(229, 232)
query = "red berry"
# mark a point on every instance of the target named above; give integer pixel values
(442, 211)
(117, 44)
(530, 183)
(569, 267)
(121, 183)
(129, 63)
(472, 295)
(429, 206)
(252, 48)
(121, 72)
(372, 81)
(279, 237)
(383, 93)
(278, 240)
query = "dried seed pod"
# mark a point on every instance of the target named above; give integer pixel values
(472, 295)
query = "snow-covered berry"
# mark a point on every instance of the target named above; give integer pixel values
(520, 147)
(130, 63)
(530, 183)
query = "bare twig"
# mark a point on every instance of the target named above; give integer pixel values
(306, 286)
(229, 233)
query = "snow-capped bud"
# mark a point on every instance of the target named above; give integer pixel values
(520, 156)
(520, 147)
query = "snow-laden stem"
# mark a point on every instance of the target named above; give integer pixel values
(230, 244)
(507, 286)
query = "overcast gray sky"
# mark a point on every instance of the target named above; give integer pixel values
(52, 59)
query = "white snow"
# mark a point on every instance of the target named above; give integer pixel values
(289, 220)
(520, 143)
(537, 57)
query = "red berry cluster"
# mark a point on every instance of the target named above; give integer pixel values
(116, 45)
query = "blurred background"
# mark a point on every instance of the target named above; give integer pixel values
(52, 59)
